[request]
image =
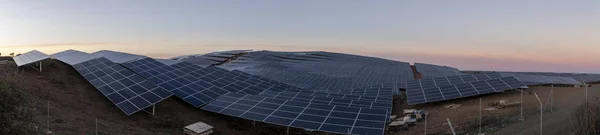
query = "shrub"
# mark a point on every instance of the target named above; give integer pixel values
(15, 117)
(587, 119)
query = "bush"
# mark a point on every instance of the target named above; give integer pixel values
(15, 117)
(587, 119)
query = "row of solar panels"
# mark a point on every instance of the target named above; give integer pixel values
(138, 82)
(323, 70)
(418, 92)
(202, 91)
(531, 79)
(563, 77)
(315, 116)
(431, 71)
(453, 87)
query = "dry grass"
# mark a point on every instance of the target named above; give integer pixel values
(15, 116)
(587, 119)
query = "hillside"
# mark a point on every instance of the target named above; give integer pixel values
(75, 105)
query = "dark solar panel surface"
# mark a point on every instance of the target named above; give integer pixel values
(129, 91)
(197, 85)
(425, 90)
(314, 116)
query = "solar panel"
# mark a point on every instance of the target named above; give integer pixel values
(199, 86)
(73, 57)
(117, 57)
(334, 99)
(417, 93)
(130, 92)
(431, 71)
(323, 70)
(313, 116)
(532, 79)
(30, 57)
(371, 91)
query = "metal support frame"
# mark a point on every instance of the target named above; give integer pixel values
(541, 113)
(552, 98)
(522, 117)
(48, 119)
(425, 123)
(586, 91)
(39, 68)
(480, 100)
(153, 110)
(96, 126)
(450, 124)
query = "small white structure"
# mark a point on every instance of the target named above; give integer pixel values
(199, 128)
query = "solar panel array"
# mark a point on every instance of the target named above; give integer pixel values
(73, 57)
(30, 57)
(323, 70)
(127, 90)
(197, 60)
(209, 59)
(314, 116)
(541, 78)
(168, 61)
(431, 90)
(197, 85)
(531, 79)
(117, 57)
(430, 71)
(452, 80)
(588, 78)
(334, 99)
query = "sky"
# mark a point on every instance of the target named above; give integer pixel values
(502, 35)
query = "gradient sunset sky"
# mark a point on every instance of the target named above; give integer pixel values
(507, 35)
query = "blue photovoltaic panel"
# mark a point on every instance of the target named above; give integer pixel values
(513, 82)
(30, 57)
(372, 91)
(130, 92)
(322, 70)
(468, 78)
(414, 93)
(455, 80)
(321, 117)
(197, 85)
(334, 99)
(433, 94)
(73, 57)
(417, 94)
(467, 89)
(483, 87)
(339, 101)
(450, 92)
(381, 99)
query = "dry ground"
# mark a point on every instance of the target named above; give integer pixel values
(505, 121)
